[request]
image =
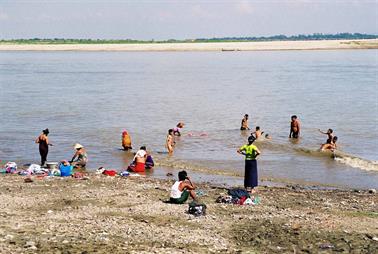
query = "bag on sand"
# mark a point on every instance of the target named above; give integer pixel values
(197, 209)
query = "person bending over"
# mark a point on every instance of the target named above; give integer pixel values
(80, 156)
(182, 189)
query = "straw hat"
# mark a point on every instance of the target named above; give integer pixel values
(78, 146)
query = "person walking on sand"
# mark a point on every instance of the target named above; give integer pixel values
(244, 123)
(182, 189)
(329, 133)
(44, 144)
(295, 127)
(80, 156)
(170, 141)
(126, 141)
(250, 151)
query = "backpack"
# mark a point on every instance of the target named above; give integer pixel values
(197, 209)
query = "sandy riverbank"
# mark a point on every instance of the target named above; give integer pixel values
(221, 46)
(127, 215)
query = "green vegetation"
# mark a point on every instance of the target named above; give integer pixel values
(301, 37)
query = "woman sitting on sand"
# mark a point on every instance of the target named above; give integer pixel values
(80, 156)
(126, 141)
(330, 146)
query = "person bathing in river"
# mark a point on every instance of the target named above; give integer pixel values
(80, 156)
(257, 133)
(140, 160)
(244, 123)
(44, 144)
(329, 133)
(126, 141)
(250, 152)
(330, 146)
(295, 127)
(177, 129)
(182, 189)
(170, 141)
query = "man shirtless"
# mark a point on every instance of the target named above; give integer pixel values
(330, 146)
(329, 133)
(170, 141)
(244, 123)
(295, 127)
(257, 133)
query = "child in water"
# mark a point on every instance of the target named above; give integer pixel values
(330, 146)
(177, 129)
(329, 133)
(257, 133)
(170, 141)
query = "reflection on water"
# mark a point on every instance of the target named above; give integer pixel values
(90, 97)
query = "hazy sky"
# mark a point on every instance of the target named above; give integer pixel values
(182, 19)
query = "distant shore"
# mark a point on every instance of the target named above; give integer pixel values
(208, 46)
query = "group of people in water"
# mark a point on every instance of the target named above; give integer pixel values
(184, 187)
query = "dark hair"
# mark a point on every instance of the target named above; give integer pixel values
(143, 148)
(334, 139)
(182, 175)
(294, 117)
(257, 128)
(246, 115)
(170, 131)
(251, 139)
(330, 130)
(46, 131)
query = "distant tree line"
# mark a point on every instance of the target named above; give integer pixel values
(300, 37)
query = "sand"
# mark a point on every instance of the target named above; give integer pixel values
(220, 46)
(127, 215)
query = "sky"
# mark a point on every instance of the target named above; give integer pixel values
(183, 19)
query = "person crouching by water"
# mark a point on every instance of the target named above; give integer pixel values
(140, 160)
(80, 156)
(244, 123)
(44, 144)
(126, 141)
(182, 189)
(250, 176)
(330, 146)
(295, 127)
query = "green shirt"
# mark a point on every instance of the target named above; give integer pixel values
(250, 151)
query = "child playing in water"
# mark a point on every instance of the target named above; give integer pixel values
(329, 133)
(330, 146)
(244, 123)
(257, 133)
(295, 127)
(170, 141)
(177, 129)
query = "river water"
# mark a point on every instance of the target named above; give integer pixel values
(90, 97)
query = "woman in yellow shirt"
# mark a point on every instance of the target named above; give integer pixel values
(250, 152)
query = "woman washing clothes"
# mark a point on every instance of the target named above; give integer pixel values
(126, 141)
(44, 144)
(80, 156)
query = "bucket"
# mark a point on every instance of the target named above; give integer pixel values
(52, 165)
(65, 170)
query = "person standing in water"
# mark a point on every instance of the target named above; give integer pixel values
(80, 156)
(329, 133)
(250, 152)
(295, 127)
(43, 142)
(244, 123)
(170, 141)
(126, 141)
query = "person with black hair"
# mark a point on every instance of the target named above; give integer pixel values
(330, 146)
(244, 123)
(295, 127)
(250, 151)
(182, 189)
(329, 133)
(44, 144)
(257, 133)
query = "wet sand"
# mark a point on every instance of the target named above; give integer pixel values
(218, 46)
(126, 215)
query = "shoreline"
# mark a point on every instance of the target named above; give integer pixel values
(128, 215)
(208, 46)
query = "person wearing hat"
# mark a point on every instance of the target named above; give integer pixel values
(44, 144)
(80, 156)
(250, 151)
(126, 141)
